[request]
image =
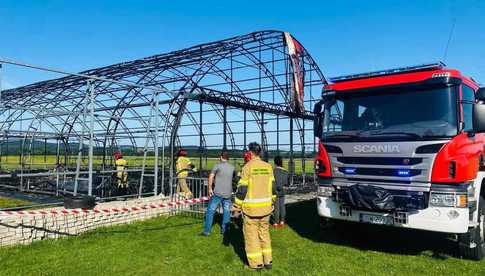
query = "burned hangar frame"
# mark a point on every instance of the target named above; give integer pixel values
(218, 95)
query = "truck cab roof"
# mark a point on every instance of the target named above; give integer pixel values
(398, 77)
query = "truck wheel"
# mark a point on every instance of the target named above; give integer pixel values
(472, 244)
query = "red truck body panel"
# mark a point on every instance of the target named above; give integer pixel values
(397, 79)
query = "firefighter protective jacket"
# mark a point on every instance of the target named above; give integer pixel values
(120, 165)
(183, 166)
(255, 191)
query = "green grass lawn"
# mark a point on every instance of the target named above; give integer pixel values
(171, 246)
(6, 202)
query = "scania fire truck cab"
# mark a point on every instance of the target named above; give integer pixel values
(404, 148)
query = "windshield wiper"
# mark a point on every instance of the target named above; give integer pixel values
(391, 133)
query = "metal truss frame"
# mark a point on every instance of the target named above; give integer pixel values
(159, 103)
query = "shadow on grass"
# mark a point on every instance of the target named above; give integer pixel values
(302, 217)
(235, 238)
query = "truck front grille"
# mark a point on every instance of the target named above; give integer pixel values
(381, 167)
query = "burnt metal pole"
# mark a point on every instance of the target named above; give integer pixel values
(262, 131)
(311, 106)
(224, 141)
(57, 165)
(200, 136)
(6, 149)
(92, 97)
(1, 87)
(1, 151)
(244, 129)
(45, 151)
(291, 163)
(1, 106)
(278, 134)
(263, 142)
(22, 146)
(155, 165)
(303, 161)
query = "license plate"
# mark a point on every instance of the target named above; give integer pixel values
(375, 219)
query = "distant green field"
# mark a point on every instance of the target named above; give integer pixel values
(49, 161)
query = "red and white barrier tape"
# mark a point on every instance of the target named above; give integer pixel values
(106, 210)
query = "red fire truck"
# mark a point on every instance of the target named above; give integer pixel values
(404, 147)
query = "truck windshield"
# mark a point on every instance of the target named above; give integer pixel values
(391, 114)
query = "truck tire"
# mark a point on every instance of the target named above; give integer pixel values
(471, 245)
(86, 202)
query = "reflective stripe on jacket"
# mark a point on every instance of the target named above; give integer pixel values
(255, 191)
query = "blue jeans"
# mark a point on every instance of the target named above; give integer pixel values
(211, 209)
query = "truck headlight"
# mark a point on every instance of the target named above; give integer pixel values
(325, 191)
(448, 200)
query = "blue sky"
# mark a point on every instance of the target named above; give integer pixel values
(342, 36)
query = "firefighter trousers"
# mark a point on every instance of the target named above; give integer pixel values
(183, 187)
(257, 240)
(122, 179)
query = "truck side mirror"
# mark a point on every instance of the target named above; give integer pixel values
(318, 119)
(479, 118)
(318, 125)
(480, 94)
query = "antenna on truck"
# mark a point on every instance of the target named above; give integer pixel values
(449, 39)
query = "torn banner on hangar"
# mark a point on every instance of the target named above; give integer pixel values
(297, 91)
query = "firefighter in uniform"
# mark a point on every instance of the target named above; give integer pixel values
(184, 166)
(121, 173)
(254, 198)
